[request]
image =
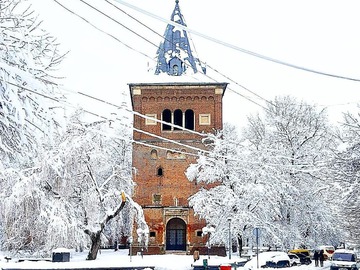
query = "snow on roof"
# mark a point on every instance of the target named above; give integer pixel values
(61, 250)
(268, 256)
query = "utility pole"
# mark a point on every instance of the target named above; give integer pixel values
(256, 232)
(230, 246)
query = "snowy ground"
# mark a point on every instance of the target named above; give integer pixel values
(110, 258)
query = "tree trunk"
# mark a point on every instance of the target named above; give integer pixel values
(95, 245)
(96, 236)
(239, 238)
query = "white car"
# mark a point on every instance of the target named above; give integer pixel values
(344, 259)
(272, 259)
(294, 259)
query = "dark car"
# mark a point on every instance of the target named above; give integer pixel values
(304, 259)
(303, 254)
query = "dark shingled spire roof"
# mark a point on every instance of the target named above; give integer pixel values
(174, 55)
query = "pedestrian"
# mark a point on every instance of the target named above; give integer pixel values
(316, 258)
(196, 254)
(321, 258)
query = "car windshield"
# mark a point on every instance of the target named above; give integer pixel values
(344, 257)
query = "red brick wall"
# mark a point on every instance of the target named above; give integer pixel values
(173, 186)
(202, 99)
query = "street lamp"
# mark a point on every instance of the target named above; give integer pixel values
(208, 230)
(130, 240)
(229, 220)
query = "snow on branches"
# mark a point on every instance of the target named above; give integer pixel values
(274, 176)
(28, 92)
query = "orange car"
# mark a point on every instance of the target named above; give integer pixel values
(328, 251)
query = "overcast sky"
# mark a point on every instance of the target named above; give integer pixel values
(319, 35)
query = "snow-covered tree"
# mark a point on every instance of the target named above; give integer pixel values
(29, 114)
(56, 189)
(273, 178)
(28, 93)
(346, 171)
(83, 184)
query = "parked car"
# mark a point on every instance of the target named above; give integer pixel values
(294, 259)
(273, 259)
(303, 254)
(343, 259)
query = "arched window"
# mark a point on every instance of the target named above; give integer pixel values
(166, 117)
(178, 119)
(189, 119)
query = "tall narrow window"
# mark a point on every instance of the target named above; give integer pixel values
(178, 119)
(166, 117)
(176, 70)
(160, 172)
(189, 119)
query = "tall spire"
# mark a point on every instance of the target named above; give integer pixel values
(174, 55)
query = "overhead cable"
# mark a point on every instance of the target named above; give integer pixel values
(102, 31)
(201, 152)
(161, 36)
(128, 46)
(234, 46)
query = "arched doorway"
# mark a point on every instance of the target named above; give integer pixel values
(176, 234)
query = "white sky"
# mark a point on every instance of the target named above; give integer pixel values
(320, 35)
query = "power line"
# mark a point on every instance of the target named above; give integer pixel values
(138, 114)
(201, 152)
(132, 17)
(236, 47)
(245, 88)
(102, 31)
(153, 119)
(119, 107)
(229, 88)
(109, 17)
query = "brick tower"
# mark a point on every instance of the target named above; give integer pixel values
(164, 149)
